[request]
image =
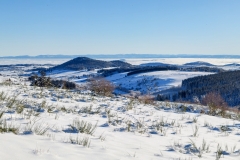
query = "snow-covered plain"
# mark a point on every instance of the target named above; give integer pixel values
(47, 119)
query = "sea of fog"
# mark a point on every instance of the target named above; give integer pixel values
(177, 61)
(10, 61)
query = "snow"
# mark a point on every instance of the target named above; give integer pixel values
(130, 133)
(65, 74)
(153, 81)
(132, 130)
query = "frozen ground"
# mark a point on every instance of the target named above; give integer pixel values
(48, 123)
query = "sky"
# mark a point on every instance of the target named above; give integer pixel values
(70, 27)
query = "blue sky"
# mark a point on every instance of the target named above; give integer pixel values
(31, 27)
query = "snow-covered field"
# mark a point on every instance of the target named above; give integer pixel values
(150, 82)
(66, 74)
(153, 82)
(48, 123)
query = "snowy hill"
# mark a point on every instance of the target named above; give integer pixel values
(152, 82)
(49, 123)
(198, 63)
(232, 64)
(82, 63)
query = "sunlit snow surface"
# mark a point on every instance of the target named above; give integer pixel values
(153, 82)
(130, 133)
(142, 82)
(113, 139)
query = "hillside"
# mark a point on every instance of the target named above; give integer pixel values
(198, 63)
(232, 64)
(84, 63)
(225, 83)
(151, 82)
(56, 124)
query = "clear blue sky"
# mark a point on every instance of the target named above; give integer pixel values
(34, 27)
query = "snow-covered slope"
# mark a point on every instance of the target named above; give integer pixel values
(47, 123)
(153, 82)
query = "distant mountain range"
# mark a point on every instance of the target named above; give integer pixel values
(122, 56)
(81, 63)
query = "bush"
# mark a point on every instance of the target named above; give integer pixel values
(63, 84)
(216, 104)
(101, 86)
(48, 82)
(41, 81)
(146, 99)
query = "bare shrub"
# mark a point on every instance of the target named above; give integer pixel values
(216, 104)
(101, 86)
(146, 99)
(83, 126)
(85, 141)
(6, 127)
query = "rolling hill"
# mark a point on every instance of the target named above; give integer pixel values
(82, 63)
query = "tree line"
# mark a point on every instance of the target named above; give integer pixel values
(227, 84)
